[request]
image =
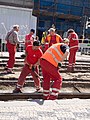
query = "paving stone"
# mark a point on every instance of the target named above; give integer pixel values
(71, 109)
(65, 114)
(82, 115)
(66, 118)
(48, 118)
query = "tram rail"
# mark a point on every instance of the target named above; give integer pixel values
(26, 96)
(79, 87)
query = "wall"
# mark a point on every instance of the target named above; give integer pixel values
(14, 15)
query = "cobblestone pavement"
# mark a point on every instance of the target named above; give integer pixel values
(70, 109)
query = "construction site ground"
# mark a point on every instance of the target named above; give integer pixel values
(39, 109)
(68, 77)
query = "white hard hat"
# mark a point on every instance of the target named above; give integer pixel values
(15, 26)
(65, 40)
(51, 29)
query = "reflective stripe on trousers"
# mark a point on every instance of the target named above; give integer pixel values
(50, 74)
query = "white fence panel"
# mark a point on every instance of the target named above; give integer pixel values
(14, 15)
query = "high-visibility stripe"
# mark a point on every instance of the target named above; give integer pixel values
(19, 86)
(57, 61)
(73, 47)
(55, 89)
(46, 90)
(74, 39)
(9, 68)
(54, 57)
(70, 65)
(54, 94)
(45, 94)
(58, 52)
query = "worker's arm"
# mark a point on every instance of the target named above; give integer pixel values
(65, 56)
(37, 63)
(34, 66)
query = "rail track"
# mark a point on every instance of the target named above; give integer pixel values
(24, 96)
(75, 85)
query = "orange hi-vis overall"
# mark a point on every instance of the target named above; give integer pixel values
(53, 39)
(49, 64)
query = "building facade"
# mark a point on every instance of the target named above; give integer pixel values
(64, 14)
(18, 3)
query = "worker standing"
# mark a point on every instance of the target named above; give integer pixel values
(29, 38)
(52, 37)
(49, 63)
(74, 45)
(12, 41)
(33, 54)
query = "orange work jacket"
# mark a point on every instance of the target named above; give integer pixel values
(58, 38)
(53, 54)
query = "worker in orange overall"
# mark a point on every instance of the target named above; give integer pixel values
(33, 54)
(52, 37)
(49, 62)
(12, 41)
(29, 38)
(74, 45)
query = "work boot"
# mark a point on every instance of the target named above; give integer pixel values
(17, 90)
(39, 90)
(46, 97)
(8, 71)
(51, 97)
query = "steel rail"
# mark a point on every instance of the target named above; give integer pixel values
(25, 96)
(29, 83)
(21, 65)
(5, 57)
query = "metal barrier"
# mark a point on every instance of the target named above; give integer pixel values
(85, 48)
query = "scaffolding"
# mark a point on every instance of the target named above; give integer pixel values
(64, 14)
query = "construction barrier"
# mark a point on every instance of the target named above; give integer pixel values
(85, 47)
